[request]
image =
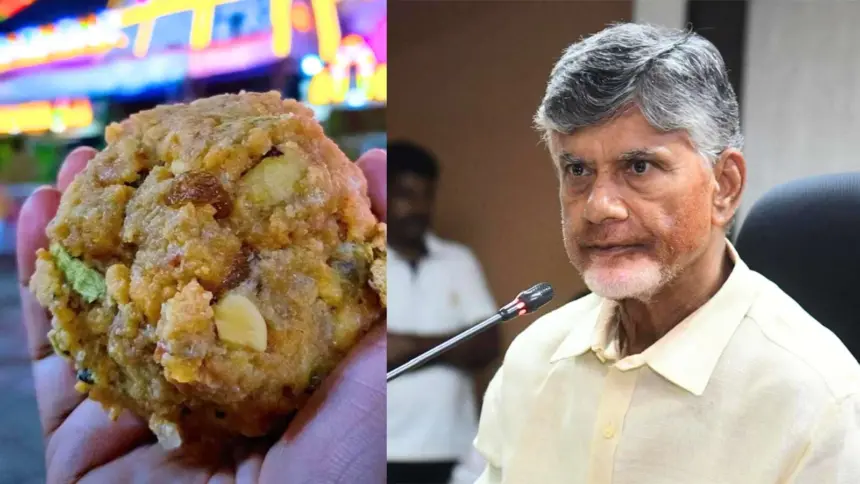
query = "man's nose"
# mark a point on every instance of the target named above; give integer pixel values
(604, 202)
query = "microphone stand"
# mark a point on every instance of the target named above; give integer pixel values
(526, 302)
(447, 345)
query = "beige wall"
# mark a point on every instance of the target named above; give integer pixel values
(668, 13)
(465, 80)
(801, 113)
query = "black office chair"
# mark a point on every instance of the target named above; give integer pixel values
(805, 236)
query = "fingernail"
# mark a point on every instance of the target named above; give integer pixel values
(80, 149)
(373, 154)
(41, 188)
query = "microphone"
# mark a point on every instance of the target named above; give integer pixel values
(526, 302)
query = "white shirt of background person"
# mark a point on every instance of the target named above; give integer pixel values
(432, 413)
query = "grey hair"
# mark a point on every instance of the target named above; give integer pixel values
(676, 78)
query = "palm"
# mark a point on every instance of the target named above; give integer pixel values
(338, 437)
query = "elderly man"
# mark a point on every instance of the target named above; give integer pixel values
(683, 365)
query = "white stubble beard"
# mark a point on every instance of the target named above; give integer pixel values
(639, 280)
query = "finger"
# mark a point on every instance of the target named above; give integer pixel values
(248, 469)
(148, 463)
(37, 323)
(89, 439)
(36, 213)
(224, 476)
(74, 163)
(374, 165)
(56, 396)
(340, 433)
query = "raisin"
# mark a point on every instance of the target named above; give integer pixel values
(287, 392)
(85, 376)
(240, 269)
(184, 411)
(273, 152)
(220, 414)
(199, 187)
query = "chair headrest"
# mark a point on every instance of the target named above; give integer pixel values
(805, 237)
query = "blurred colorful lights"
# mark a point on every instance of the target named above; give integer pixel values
(99, 34)
(311, 65)
(41, 116)
(334, 84)
(69, 38)
(8, 8)
(126, 50)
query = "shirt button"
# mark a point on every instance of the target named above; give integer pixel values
(609, 431)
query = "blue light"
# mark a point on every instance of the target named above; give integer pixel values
(355, 98)
(311, 65)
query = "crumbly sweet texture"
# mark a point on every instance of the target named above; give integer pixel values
(238, 197)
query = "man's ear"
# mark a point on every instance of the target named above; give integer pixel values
(730, 176)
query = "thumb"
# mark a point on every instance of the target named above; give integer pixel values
(374, 165)
(35, 215)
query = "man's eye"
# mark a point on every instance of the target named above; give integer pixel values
(640, 167)
(576, 169)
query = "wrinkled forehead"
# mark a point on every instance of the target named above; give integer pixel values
(611, 140)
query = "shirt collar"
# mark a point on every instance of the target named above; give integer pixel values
(433, 242)
(686, 355)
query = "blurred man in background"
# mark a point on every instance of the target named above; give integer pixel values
(436, 290)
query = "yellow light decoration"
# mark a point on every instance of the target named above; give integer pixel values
(339, 89)
(154, 9)
(379, 84)
(331, 85)
(282, 30)
(143, 12)
(40, 116)
(201, 26)
(328, 28)
(320, 89)
(201, 23)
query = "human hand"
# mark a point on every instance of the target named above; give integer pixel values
(339, 436)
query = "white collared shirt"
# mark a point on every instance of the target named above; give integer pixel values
(432, 414)
(747, 389)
